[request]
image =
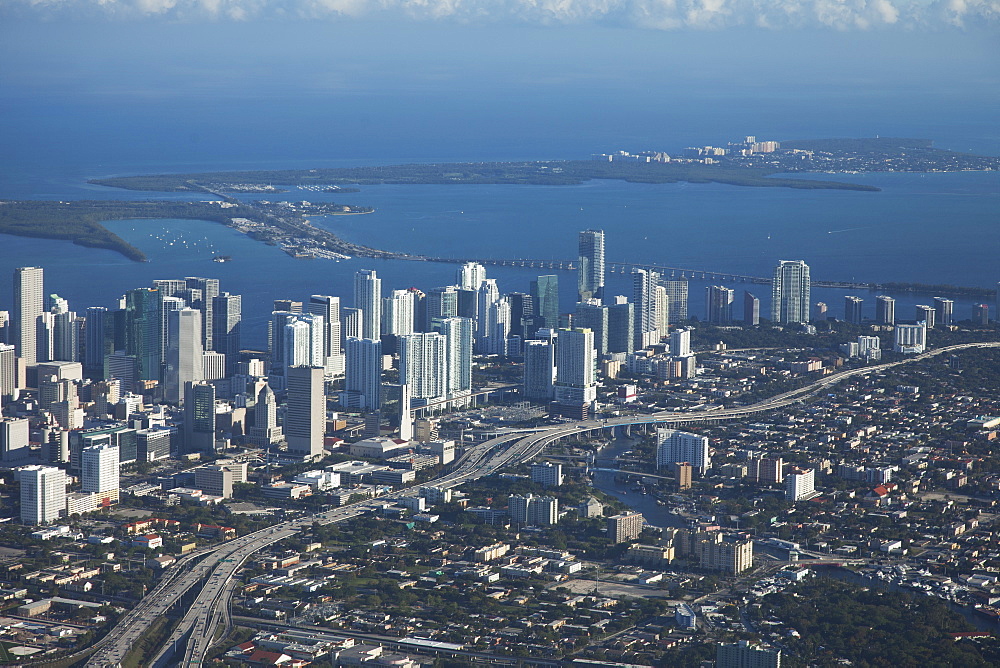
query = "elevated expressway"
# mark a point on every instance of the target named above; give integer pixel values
(213, 568)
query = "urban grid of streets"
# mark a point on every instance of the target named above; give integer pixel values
(217, 565)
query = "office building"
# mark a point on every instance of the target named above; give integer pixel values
(423, 364)
(751, 310)
(368, 298)
(185, 357)
(545, 295)
(214, 481)
(143, 332)
(621, 326)
(885, 310)
(644, 284)
(911, 339)
(719, 304)
(8, 372)
(14, 439)
(363, 375)
(926, 314)
(66, 330)
(800, 484)
(29, 303)
(199, 417)
(98, 340)
(852, 309)
(154, 444)
(743, 654)
(265, 431)
(290, 305)
(227, 322)
(397, 313)
(576, 370)
(547, 474)
(790, 292)
(470, 276)
(590, 282)
(305, 416)
(99, 466)
(625, 527)
(43, 493)
(539, 370)
(677, 300)
(531, 510)
(674, 447)
(944, 310)
(201, 295)
(595, 317)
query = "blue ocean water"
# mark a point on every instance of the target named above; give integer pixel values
(938, 228)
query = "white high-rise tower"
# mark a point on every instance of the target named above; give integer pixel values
(29, 303)
(790, 292)
(368, 298)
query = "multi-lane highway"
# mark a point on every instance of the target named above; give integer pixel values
(214, 568)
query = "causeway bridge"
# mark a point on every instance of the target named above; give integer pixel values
(669, 273)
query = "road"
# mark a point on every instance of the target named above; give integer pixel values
(217, 565)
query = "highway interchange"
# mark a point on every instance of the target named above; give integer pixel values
(216, 566)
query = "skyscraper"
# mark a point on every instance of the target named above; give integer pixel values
(644, 284)
(719, 304)
(944, 309)
(143, 331)
(852, 309)
(751, 310)
(99, 467)
(199, 417)
(927, 314)
(621, 326)
(265, 431)
(596, 317)
(790, 290)
(488, 295)
(458, 333)
(185, 356)
(305, 417)
(590, 281)
(397, 313)
(442, 303)
(98, 340)
(576, 370)
(423, 364)
(885, 310)
(227, 320)
(368, 298)
(208, 290)
(363, 378)
(539, 370)
(470, 276)
(545, 293)
(677, 300)
(29, 303)
(43, 493)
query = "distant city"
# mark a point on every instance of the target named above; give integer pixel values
(641, 480)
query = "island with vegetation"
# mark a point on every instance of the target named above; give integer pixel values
(560, 172)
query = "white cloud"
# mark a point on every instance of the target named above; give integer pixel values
(650, 14)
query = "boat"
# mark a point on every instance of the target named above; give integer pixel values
(222, 258)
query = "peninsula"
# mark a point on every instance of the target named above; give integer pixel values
(745, 163)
